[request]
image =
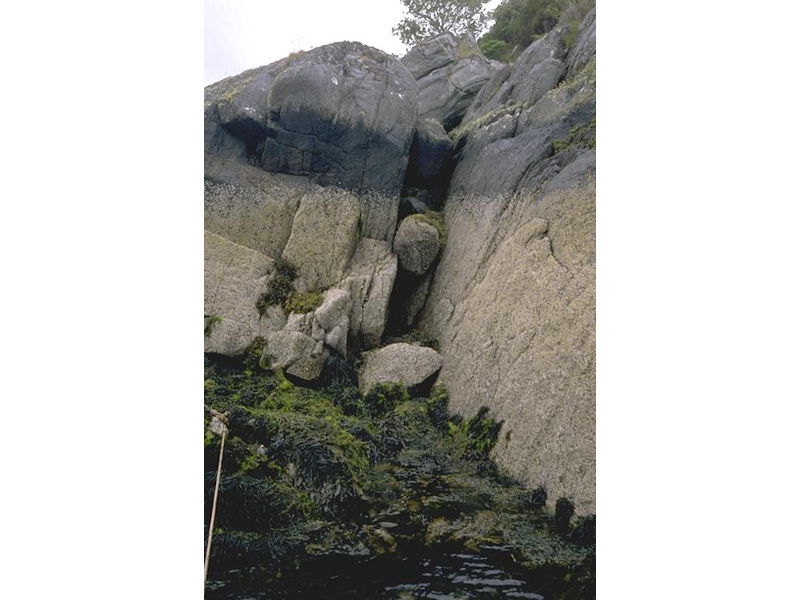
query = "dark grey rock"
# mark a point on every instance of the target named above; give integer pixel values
(449, 73)
(537, 70)
(342, 114)
(584, 49)
(429, 151)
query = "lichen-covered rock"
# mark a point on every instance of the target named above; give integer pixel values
(257, 217)
(417, 245)
(324, 236)
(398, 363)
(235, 277)
(369, 281)
(449, 73)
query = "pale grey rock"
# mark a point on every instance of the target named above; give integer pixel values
(400, 363)
(259, 218)
(235, 277)
(512, 306)
(332, 317)
(324, 236)
(295, 352)
(416, 244)
(369, 281)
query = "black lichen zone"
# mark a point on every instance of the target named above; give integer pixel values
(327, 493)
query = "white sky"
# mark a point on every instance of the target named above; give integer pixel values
(243, 34)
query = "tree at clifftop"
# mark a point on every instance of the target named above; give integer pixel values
(426, 18)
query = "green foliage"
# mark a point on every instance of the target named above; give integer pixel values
(302, 302)
(384, 397)
(494, 49)
(435, 218)
(437, 406)
(415, 337)
(426, 18)
(518, 23)
(279, 287)
(477, 436)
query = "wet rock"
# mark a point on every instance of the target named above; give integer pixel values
(417, 245)
(235, 278)
(398, 363)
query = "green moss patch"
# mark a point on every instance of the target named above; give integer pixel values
(302, 302)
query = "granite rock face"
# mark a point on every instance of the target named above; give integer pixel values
(512, 300)
(400, 363)
(235, 277)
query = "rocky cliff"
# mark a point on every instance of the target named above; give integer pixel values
(352, 197)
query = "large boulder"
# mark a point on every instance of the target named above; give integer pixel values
(400, 363)
(450, 72)
(235, 278)
(416, 244)
(323, 237)
(513, 307)
(342, 114)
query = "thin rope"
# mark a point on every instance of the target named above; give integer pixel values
(214, 505)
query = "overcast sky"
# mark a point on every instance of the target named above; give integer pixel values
(242, 34)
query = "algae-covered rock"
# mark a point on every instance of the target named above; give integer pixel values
(398, 363)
